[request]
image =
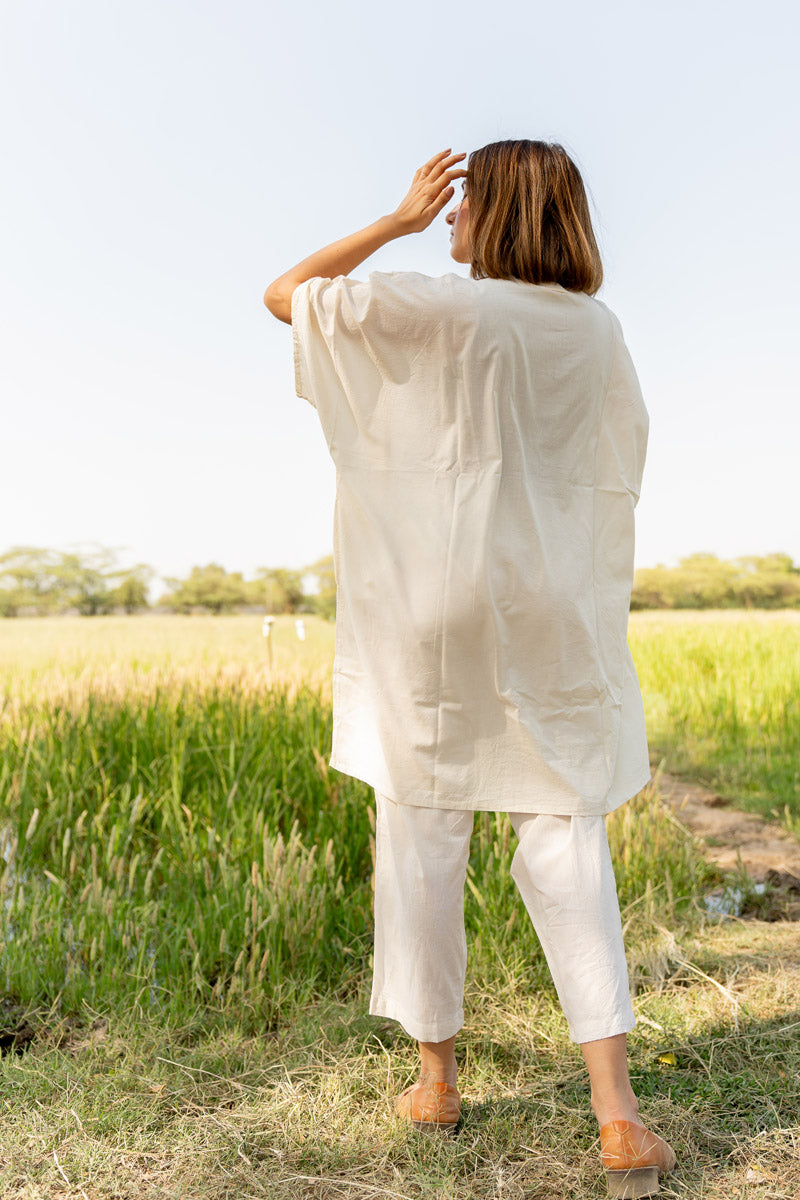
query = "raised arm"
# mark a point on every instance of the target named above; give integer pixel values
(427, 196)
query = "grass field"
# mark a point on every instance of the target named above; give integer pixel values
(186, 930)
(722, 701)
(721, 689)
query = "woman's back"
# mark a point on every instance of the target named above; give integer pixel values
(489, 437)
(471, 350)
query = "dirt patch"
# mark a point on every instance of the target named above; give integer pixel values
(769, 854)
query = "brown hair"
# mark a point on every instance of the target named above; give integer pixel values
(529, 217)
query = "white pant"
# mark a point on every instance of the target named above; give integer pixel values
(562, 867)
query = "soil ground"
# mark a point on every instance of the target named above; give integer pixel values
(736, 840)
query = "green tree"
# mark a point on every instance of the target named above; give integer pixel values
(652, 588)
(131, 592)
(279, 589)
(28, 580)
(706, 581)
(768, 581)
(209, 587)
(44, 581)
(323, 602)
(84, 580)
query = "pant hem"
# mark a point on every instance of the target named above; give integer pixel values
(422, 1031)
(593, 1033)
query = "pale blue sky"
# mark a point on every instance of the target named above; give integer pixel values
(163, 161)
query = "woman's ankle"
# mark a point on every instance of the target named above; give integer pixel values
(438, 1062)
(612, 1095)
(615, 1107)
(439, 1075)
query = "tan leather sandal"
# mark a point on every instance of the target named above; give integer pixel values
(633, 1159)
(430, 1107)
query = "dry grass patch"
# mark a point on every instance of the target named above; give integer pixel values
(306, 1112)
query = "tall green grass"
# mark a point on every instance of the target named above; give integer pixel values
(188, 847)
(722, 700)
(174, 839)
(721, 690)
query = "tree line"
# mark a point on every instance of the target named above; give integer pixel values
(705, 581)
(36, 581)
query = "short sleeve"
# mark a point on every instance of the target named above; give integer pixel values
(331, 324)
(300, 324)
(354, 339)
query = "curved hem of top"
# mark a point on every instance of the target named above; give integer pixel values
(619, 796)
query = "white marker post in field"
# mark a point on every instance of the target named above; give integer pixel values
(266, 629)
(300, 626)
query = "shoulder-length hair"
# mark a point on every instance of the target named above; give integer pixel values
(529, 217)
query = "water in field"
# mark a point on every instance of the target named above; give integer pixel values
(730, 901)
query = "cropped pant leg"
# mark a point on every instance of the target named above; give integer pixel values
(562, 867)
(420, 957)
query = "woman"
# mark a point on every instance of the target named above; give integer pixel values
(489, 436)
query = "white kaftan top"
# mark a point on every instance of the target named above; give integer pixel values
(489, 438)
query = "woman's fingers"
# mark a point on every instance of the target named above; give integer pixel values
(430, 190)
(438, 204)
(431, 163)
(434, 186)
(445, 164)
(439, 193)
(441, 166)
(440, 162)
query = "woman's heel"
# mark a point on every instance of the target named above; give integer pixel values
(443, 1129)
(633, 1183)
(632, 1157)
